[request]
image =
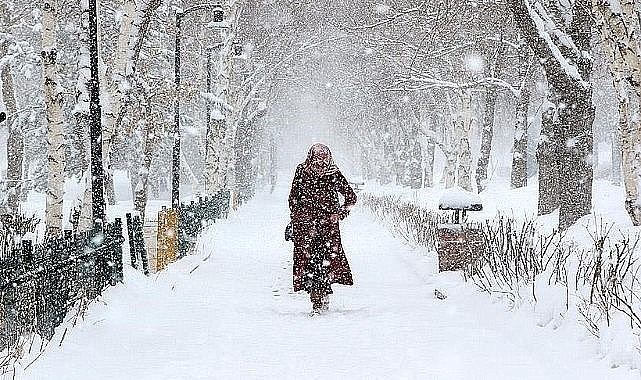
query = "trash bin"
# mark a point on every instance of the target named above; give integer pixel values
(459, 243)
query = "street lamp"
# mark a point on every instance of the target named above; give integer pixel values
(95, 128)
(217, 16)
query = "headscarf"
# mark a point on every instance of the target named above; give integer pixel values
(320, 152)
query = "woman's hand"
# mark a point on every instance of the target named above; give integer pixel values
(333, 218)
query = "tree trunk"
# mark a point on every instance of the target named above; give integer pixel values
(616, 150)
(618, 29)
(415, 158)
(465, 157)
(547, 159)
(273, 163)
(82, 126)
(55, 132)
(487, 135)
(141, 193)
(213, 170)
(15, 138)
(577, 173)
(567, 67)
(486, 138)
(81, 111)
(519, 149)
(428, 158)
(115, 87)
(449, 172)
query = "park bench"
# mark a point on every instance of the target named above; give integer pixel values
(459, 243)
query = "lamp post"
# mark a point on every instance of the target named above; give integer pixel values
(95, 129)
(175, 167)
(208, 107)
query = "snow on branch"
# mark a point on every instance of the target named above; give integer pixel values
(391, 18)
(217, 101)
(426, 83)
(544, 25)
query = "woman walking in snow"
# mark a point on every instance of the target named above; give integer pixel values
(319, 260)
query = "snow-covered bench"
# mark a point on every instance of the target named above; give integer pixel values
(460, 201)
(459, 243)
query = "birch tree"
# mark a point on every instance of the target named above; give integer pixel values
(618, 26)
(82, 214)
(15, 138)
(493, 70)
(116, 87)
(464, 123)
(55, 132)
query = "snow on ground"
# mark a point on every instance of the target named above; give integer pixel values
(228, 312)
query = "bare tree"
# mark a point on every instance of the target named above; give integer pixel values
(618, 26)
(55, 133)
(15, 138)
(562, 44)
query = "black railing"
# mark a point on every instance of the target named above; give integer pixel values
(194, 217)
(39, 284)
(136, 240)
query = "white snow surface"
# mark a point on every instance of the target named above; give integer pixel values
(457, 197)
(228, 312)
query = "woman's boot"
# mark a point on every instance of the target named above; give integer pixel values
(317, 302)
(325, 303)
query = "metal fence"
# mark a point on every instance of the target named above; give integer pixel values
(189, 220)
(193, 217)
(39, 284)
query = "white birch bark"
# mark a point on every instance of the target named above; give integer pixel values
(15, 137)
(55, 137)
(116, 88)
(85, 220)
(618, 27)
(449, 145)
(81, 112)
(220, 161)
(465, 156)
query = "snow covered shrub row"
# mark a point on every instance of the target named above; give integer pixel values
(412, 223)
(515, 254)
(598, 284)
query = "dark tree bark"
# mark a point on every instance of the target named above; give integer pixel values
(547, 158)
(573, 101)
(15, 139)
(519, 149)
(486, 138)
(95, 134)
(488, 120)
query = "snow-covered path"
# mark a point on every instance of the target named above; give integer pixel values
(228, 312)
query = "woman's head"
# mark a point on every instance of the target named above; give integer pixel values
(319, 159)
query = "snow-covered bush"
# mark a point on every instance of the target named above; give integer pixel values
(414, 224)
(599, 285)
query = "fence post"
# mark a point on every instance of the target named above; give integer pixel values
(117, 252)
(140, 244)
(132, 243)
(97, 238)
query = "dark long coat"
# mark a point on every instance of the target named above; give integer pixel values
(312, 200)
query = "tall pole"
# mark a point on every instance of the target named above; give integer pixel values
(95, 129)
(208, 107)
(175, 167)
